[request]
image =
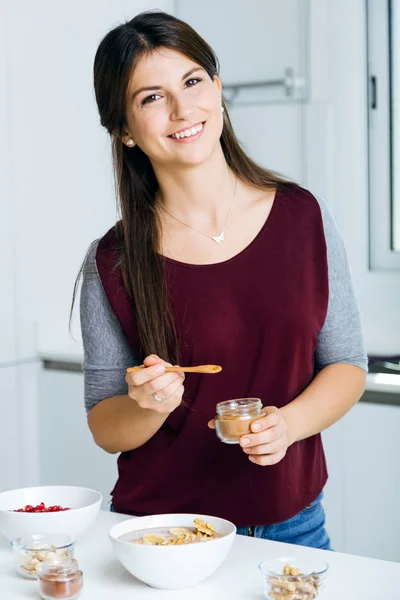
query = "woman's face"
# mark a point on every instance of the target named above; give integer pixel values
(179, 97)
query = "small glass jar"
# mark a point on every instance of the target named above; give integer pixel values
(294, 577)
(60, 580)
(234, 418)
(34, 549)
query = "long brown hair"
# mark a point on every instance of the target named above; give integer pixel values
(136, 185)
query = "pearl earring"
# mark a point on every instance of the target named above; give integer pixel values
(130, 142)
(222, 109)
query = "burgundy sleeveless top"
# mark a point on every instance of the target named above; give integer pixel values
(258, 315)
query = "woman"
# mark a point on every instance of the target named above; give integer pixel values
(214, 260)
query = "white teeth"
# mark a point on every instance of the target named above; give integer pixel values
(188, 132)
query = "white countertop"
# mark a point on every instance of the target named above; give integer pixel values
(349, 577)
(383, 382)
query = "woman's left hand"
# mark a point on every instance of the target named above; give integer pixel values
(268, 443)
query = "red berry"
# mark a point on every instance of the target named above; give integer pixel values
(41, 508)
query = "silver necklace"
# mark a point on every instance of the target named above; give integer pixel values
(217, 238)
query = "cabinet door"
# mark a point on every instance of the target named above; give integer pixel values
(363, 490)
(257, 41)
(272, 134)
(254, 40)
(372, 481)
(68, 454)
(333, 440)
(10, 448)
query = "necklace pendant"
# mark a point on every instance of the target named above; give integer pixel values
(219, 238)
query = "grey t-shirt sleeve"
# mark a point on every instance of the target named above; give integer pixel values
(107, 353)
(341, 338)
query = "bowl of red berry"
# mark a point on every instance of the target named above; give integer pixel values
(48, 509)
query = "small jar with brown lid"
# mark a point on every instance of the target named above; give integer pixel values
(234, 418)
(61, 579)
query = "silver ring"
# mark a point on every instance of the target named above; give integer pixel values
(157, 398)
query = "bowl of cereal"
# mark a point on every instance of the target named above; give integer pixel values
(50, 509)
(172, 551)
(289, 577)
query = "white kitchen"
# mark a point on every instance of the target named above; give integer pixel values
(312, 88)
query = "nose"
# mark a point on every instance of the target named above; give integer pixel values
(181, 110)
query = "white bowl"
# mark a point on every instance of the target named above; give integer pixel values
(84, 505)
(172, 567)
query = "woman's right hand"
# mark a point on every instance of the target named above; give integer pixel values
(146, 385)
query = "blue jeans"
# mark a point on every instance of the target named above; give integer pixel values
(307, 528)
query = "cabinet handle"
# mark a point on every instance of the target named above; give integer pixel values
(289, 83)
(374, 92)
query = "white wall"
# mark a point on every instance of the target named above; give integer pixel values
(56, 196)
(60, 169)
(8, 350)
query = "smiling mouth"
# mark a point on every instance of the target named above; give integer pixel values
(187, 133)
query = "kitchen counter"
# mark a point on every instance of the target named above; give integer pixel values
(381, 388)
(349, 577)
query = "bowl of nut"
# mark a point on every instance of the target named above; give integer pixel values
(288, 577)
(33, 550)
(172, 551)
(49, 509)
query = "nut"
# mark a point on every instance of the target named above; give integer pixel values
(295, 586)
(203, 527)
(29, 561)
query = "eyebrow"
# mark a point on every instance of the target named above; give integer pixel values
(159, 87)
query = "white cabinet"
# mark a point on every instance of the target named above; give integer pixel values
(333, 440)
(254, 40)
(68, 454)
(272, 134)
(362, 495)
(10, 432)
(257, 41)
(372, 481)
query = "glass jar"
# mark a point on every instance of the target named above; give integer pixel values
(34, 549)
(61, 579)
(234, 418)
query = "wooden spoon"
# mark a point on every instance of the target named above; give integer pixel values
(209, 369)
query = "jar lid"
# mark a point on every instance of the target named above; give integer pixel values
(239, 407)
(38, 542)
(59, 568)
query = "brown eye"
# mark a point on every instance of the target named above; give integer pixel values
(193, 81)
(149, 99)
